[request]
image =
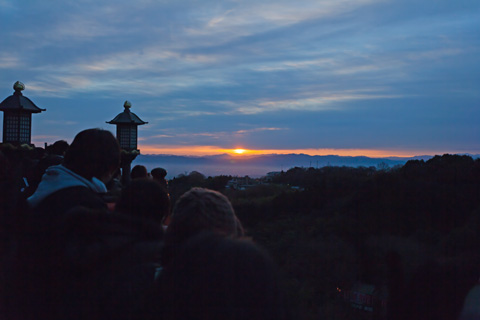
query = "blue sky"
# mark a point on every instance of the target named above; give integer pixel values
(343, 77)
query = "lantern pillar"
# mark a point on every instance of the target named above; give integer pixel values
(127, 124)
(17, 116)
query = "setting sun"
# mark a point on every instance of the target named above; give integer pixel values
(239, 151)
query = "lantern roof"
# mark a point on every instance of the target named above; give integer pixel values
(17, 101)
(127, 117)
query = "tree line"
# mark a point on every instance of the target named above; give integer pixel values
(343, 224)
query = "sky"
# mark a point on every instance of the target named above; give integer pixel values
(342, 77)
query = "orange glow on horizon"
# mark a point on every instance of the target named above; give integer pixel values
(214, 150)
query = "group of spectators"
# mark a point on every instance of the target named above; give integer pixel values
(77, 244)
(80, 253)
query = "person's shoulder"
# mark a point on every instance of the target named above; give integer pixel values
(79, 196)
(65, 199)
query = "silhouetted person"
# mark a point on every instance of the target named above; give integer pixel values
(55, 155)
(58, 148)
(139, 172)
(13, 212)
(199, 210)
(6, 182)
(109, 263)
(145, 199)
(159, 174)
(213, 277)
(90, 161)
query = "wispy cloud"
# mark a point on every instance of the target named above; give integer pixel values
(173, 136)
(436, 54)
(156, 58)
(325, 102)
(179, 135)
(59, 122)
(159, 136)
(219, 19)
(252, 14)
(247, 131)
(9, 61)
(295, 65)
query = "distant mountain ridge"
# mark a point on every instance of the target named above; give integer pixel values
(260, 165)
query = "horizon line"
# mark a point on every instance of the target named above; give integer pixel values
(244, 151)
(200, 151)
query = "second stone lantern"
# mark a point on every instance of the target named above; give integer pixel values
(127, 124)
(127, 131)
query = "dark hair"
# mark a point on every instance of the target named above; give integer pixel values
(214, 277)
(138, 172)
(93, 153)
(159, 173)
(58, 148)
(144, 198)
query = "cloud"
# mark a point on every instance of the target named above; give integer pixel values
(436, 54)
(59, 122)
(155, 57)
(179, 134)
(247, 131)
(81, 28)
(251, 16)
(219, 19)
(159, 136)
(325, 102)
(59, 86)
(9, 61)
(295, 65)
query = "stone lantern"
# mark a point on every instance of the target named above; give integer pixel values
(127, 124)
(17, 116)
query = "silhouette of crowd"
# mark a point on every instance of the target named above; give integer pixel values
(76, 244)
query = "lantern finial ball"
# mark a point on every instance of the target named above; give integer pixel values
(127, 104)
(18, 86)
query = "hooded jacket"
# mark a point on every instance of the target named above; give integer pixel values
(61, 190)
(59, 177)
